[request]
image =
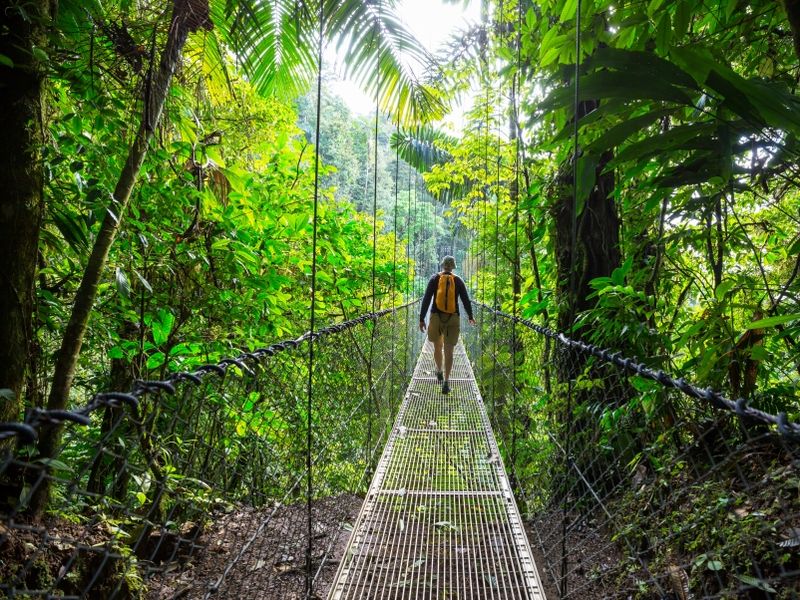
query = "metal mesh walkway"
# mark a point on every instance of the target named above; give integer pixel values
(439, 520)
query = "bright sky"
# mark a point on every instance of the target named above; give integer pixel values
(433, 22)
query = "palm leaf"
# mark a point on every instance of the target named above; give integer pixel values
(276, 42)
(423, 147)
(381, 55)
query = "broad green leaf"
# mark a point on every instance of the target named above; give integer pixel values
(123, 285)
(723, 288)
(156, 360)
(683, 16)
(39, 54)
(614, 84)
(6, 61)
(753, 100)
(162, 326)
(568, 11)
(619, 133)
(324, 277)
(663, 33)
(653, 7)
(773, 321)
(637, 63)
(674, 139)
(756, 583)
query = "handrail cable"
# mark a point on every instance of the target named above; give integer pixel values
(27, 431)
(780, 421)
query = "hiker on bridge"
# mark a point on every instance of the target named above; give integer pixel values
(444, 325)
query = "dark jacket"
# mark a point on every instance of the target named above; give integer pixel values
(430, 291)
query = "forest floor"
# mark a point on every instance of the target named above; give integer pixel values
(260, 553)
(274, 565)
(591, 558)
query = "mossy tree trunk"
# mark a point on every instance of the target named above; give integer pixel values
(597, 251)
(23, 38)
(187, 16)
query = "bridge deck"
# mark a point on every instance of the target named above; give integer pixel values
(439, 520)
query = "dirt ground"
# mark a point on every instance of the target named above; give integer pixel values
(260, 553)
(591, 558)
(274, 565)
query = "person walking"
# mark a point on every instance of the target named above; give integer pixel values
(444, 325)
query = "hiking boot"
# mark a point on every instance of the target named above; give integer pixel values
(439, 376)
(446, 387)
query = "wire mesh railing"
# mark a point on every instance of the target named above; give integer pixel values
(636, 484)
(197, 486)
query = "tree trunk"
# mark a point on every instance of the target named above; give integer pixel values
(21, 202)
(187, 16)
(597, 251)
(793, 12)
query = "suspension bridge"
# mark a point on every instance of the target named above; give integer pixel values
(439, 520)
(210, 485)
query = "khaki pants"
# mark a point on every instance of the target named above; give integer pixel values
(446, 326)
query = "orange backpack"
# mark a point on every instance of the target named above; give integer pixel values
(446, 293)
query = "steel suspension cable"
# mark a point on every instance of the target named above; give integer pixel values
(485, 199)
(496, 264)
(373, 404)
(408, 289)
(312, 320)
(394, 258)
(573, 291)
(515, 284)
(416, 232)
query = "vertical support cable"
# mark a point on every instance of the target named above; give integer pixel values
(372, 394)
(394, 261)
(515, 89)
(563, 588)
(312, 320)
(408, 271)
(485, 201)
(496, 271)
(416, 244)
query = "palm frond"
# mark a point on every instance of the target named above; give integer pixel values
(381, 55)
(423, 147)
(276, 42)
(273, 39)
(463, 60)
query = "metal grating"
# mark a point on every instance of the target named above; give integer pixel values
(439, 520)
